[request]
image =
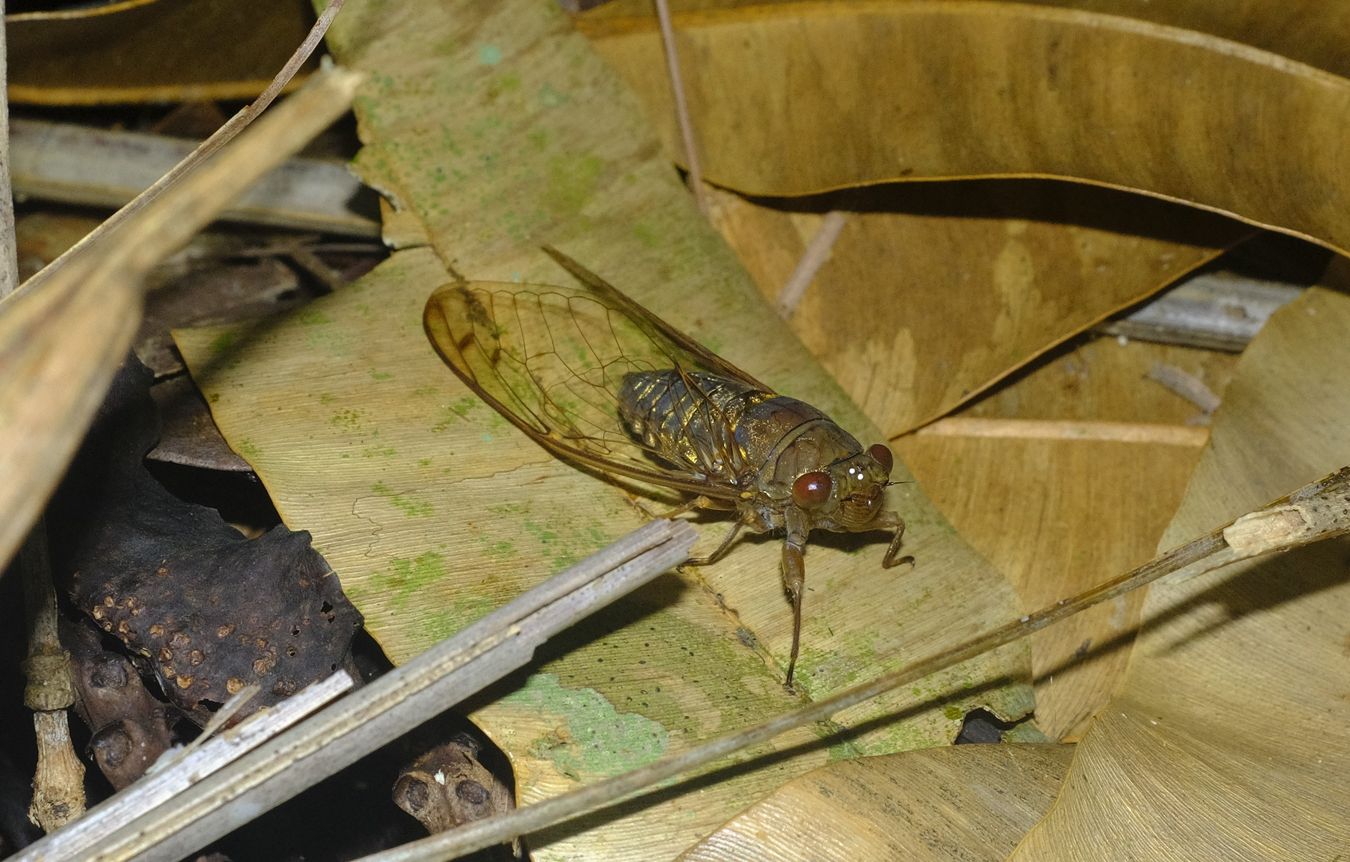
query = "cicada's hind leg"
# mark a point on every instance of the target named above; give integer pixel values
(699, 502)
(892, 521)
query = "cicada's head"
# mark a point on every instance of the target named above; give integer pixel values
(848, 494)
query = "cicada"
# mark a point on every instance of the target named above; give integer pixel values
(600, 381)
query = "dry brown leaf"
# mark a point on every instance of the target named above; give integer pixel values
(1229, 739)
(804, 97)
(935, 805)
(1309, 31)
(152, 50)
(919, 310)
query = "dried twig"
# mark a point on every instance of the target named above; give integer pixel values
(813, 258)
(1187, 385)
(398, 701)
(1213, 310)
(1313, 513)
(58, 783)
(681, 105)
(108, 167)
(1067, 429)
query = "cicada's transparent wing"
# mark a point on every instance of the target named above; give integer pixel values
(552, 361)
(694, 356)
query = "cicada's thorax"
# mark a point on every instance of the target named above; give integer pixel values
(755, 440)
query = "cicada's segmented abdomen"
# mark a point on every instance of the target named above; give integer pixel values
(689, 419)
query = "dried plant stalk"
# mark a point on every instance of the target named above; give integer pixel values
(58, 783)
(184, 768)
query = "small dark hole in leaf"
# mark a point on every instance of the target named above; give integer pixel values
(982, 726)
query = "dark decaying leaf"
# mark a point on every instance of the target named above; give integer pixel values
(130, 728)
(210, 610)
(189, 437)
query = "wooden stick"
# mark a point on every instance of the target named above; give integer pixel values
(1056, 429)
(398, 701)
(815, 255)
(1313, 513)
(108, 167)
(58, 782)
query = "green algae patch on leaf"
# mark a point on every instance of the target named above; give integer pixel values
(594, 739)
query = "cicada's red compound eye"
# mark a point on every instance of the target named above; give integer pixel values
(882, 456)
(812, 489)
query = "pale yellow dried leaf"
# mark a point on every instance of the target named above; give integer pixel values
(1309, 31)
(497, 130)
(935, 805)
(1230, 738)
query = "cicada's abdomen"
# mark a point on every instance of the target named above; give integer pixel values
(694, 426)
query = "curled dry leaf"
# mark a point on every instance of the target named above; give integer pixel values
(833, 95)
(183, 50)
(1260, 655)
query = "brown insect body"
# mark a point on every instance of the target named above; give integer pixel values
(759, 443)
(597, 379)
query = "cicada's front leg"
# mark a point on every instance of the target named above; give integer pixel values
(716, 555)
(794, 580)
(893, 521)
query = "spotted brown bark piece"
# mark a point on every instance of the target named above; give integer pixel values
(130, 728)
(209, 610)
(448, 786)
